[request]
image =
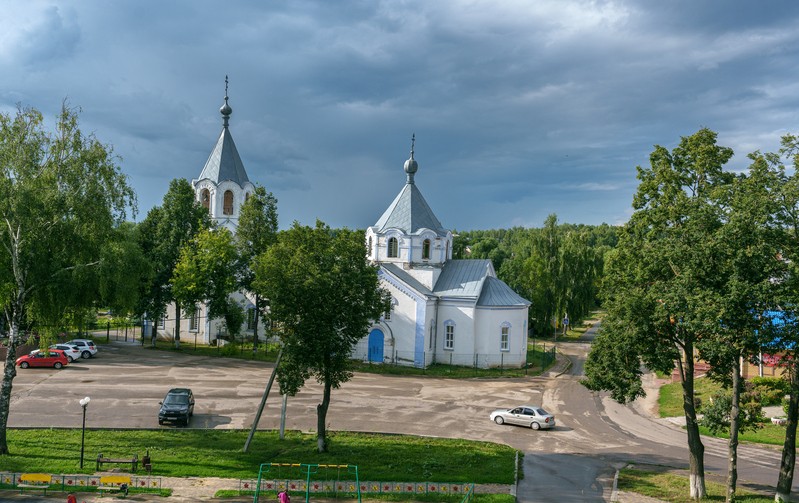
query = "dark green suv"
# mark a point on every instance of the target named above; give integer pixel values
(177, 406)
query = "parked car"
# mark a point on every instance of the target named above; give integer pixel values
(86, 346)
(53, 358)
(177, 406)
(72, 352)
(524, 415)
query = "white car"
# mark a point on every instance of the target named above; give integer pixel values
(86, 346)
(71, 352)
(525, 415)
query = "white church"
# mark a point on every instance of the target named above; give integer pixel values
(442, 310)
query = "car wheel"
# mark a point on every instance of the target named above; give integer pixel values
(499, 420)
(57, 365)
(24, 365)
(535, 426)
(70, 359)
(86, 355)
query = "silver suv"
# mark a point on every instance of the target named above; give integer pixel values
(86, 346)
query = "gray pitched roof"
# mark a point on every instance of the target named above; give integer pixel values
(497, 293)
(224, 162)
(406, 278)
(462, 278)
(465, 279)
(409, 212)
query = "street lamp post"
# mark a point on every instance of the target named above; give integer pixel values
(83, 403)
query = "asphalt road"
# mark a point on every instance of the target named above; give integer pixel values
(574, 462)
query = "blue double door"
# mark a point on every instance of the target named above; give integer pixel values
(376, 346)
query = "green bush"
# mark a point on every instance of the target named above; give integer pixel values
(230, 349)
(768, 390)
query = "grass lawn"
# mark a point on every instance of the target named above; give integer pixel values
(674, 488)
(670, 400)
(769, 434)
(218, 453)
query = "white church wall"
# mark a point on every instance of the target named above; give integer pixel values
(460, 315)
(488, 325)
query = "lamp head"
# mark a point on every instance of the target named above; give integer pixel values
(84, 401)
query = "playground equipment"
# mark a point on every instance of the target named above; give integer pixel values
(296, 478)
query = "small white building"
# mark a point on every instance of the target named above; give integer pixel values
(442, 310)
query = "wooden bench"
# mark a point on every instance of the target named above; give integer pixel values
(133, 462)
(114, 483)
(39, 481)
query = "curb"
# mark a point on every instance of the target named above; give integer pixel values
(568, 366)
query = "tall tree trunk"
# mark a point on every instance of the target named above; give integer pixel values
(735, 423)
(177, 325)
(321, 417)
(788, 461)
(8, 377)
(696, 450)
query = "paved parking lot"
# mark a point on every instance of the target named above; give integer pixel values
(125, 383)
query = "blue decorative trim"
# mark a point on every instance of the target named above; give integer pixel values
(399, 285)
(418, 354)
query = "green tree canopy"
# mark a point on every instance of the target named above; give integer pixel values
(257, 231)
(324, 295)
(659, 283)
(206, 272)
(162, 235)
(61, 196)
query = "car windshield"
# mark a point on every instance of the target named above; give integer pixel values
(176, 400)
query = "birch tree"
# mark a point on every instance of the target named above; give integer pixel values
(61, 195)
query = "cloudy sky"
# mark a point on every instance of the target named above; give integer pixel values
(520, 108)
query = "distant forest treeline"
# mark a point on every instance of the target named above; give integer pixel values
(557, 267)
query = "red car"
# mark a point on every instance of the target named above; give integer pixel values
(54, 358)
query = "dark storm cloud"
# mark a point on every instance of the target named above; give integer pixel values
(521, 109)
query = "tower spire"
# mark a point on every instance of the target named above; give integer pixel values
(225, 110)
(411, 165)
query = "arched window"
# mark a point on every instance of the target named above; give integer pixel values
(246, 197)
(369, 247)
(426, 249)
(393, 248)
(504, 337)
(194, 321)
(227, 205)
(205, 199)
(449, 335)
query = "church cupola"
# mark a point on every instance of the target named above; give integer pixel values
(409, 234)
(223, 185)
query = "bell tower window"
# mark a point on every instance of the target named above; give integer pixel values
(227, 206)
(393, 248)
(426, 249)
(205, 199)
